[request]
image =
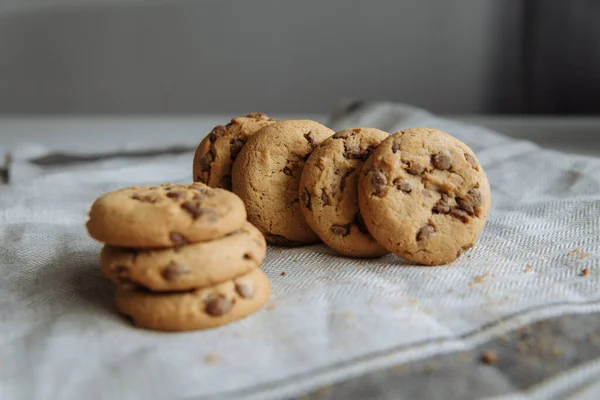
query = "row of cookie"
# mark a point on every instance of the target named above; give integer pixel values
(182, 257)
(419, 193)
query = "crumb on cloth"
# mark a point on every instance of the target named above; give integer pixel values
(489, 357)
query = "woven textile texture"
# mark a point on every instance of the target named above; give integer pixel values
(330, 318)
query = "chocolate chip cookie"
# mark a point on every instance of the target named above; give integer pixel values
(215, 154)
(188, 267)
(424, 196)
(266, 176)
(197, 309)
(164, 216)
(328, 194)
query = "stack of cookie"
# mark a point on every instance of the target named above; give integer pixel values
(182, 257)
(419, 193)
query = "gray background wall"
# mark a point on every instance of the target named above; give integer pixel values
(460, 56)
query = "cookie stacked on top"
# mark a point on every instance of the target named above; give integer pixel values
(182, 257)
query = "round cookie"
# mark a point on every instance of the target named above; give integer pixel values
(188, 267)
(164, 216)
(328, 193)
(198, 309)
(266, 176)
(424, 196)
(215, 154)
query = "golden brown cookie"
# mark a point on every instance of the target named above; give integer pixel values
(164, 216)
(216, 153)
(328, 195)
(424, 196)
(187, 267)
(197, 309)
(266, 176)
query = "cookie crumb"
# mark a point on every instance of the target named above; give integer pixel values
(479, 279)
(489, 357)
(271, 307)
(348, 315)
(282, 274)
(585, 272)
(281, 249)
(212, 358)
(578, 253)
(528, 268)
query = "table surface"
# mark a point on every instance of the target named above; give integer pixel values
(101, 134)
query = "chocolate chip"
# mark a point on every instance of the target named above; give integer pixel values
(341, 230)
(460, 214)
(305, 198)
(216, 133)
(206, 160)
(176, 195)
(442, 160)
(287, 171)
(218, 306)
(174, 271)
(360, 224)
(192, 208)
(415, 168)
(466, 205)
(395, 147)
(367, 153)
(475, 197)
(235, 146)
(178, 239)
(403, 184)
(425, 232)
(245, 290)
(344, 178)
(346, 133)
(353, 152)
(442, 206)
(311, 139)
(379, 182)
(325, 198)
(248, 256)
(471, 160)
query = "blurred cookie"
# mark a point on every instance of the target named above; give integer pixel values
(266, 176)
(215, 154)
(328, 193)
(187, 267)
(164, 216)
(424, 196)
(198, 309)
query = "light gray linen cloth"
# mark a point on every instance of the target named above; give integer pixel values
(330, 318)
